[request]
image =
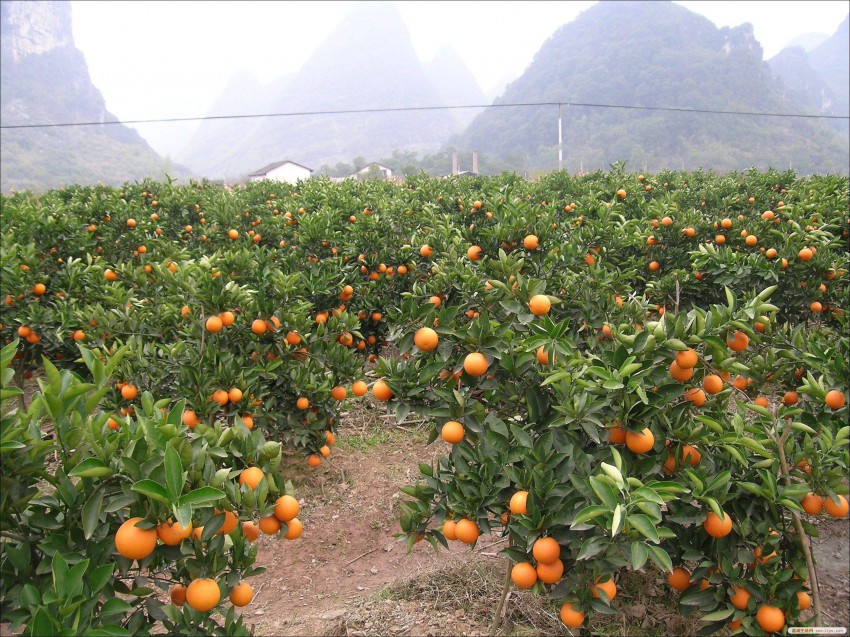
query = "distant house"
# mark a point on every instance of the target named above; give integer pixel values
(373, 171)
(287, 171)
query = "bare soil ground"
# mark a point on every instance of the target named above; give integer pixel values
(348, 574)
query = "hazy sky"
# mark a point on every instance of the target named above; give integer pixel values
(172, 59)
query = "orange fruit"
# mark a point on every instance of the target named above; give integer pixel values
(805, 254)
(739, 341)
(110, 275)
(286, 508)
(129, 392)
(550, 573)
(834, 399)
(467, 531)
(135, 543)
(816, 307)
(220, 396)
(39, 288)
(172, 533)
(248, 421)
(542, 356)
(696, 396)
(449, 531)
(381, 391)
(716, 527)
(836, 509)
(359, 388)
(761, 401)
(436, 301)
(812, 504)
(258, 326)
(679, 373)
(177, 594)
(751, 240)
(79, 335)
(546, 550)
(518, 504)
(621, 193)
(687, 359)
(294, 528)
(654, 266)
(314, 460)
(250, 530)
(571, 618)
(640, 441)
(452, 432)
(803, 600)
(609, 587)
(741, 383)
(425, 251)
(426, 339)
(325, 451)
(679, 579)
(203, 594)
(339, 393)
(230, 522)
(524, 575)
(740, 597)
(531, 242)
(242, 594)
(330, 438)
(269, 525)
(539, 304)
(252, 476)
(234, 395)
(712, 384)
(770, 618)
(227, 318)
(214, 324)
(302, 403)
(475, 364)
(474, 253)
(616, 435)
(293, 338)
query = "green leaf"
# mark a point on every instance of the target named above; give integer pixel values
(152, 489)
(644, 526)
(91, 513)
(639, 555)
(173, 474)
(115, 606)
(41, 625)
(99, 577)
(91, 468)
(660, 557)
(718, 615)
(588, 513)
(605, 492)
(204, 495)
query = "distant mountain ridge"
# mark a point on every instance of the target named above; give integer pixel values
(367, 62)
(45, 79)
(652, 54)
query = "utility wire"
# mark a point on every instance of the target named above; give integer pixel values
(426, 108)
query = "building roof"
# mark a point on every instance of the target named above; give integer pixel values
(265, 170)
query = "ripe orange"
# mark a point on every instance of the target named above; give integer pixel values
(531, 242)
(250, 530)
(804, 600)
(609, 587)
(436, 301)
(751, 240)
(269, 525)
(286, 508)
(325, 451)
(339, 393)
(812, 504)
(770, 618)
(740, 597)
(79, 335)
(836, 509)
(172, 533)
(39, 288)
(234, 395)
(816, 307)
(687, 359)
(679, 373)
(621, 193)
(474, 253)
(524, 575)
(248, 421)
(330, 438)
(258, 326)
(214, 324)
(467, 531)
(135, 543)
(203, 594)
(712, 384)
(546, 550)
(805, 254)
(220, 396)
(550, 573)
(654, 266)
(834, 399)
(178, 594)
(449, 531)
(679, 579)
(741, 383)
(452, 432)
(571, 618)
(425, 251)
(539, 304)
(227, 318)
(242, 594)
(294, 528)
(381, 391)
(359, 388)
(640, 441)
(129, 392)
(230, 522)
(716, 527)
(110, 275)
(475, 364)
(426, 339)
(302, 403)
(695, 396)
(314, 460)
(739, 341)
(251, 476)
(518, 504)
(616, 435)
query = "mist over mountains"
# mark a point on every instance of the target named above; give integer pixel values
(648, 54)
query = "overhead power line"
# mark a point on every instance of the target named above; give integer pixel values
(427, 108)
